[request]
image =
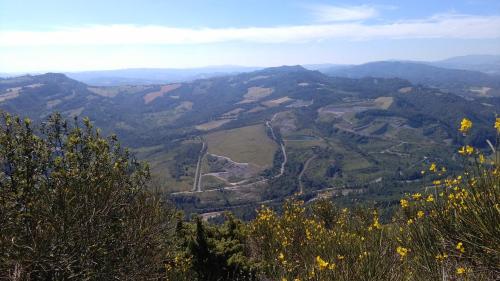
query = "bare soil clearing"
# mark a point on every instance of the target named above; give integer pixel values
(212, 124)
(255, 94)
(163, 90)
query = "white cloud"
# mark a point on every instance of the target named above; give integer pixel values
(328, 13)
(439, 26)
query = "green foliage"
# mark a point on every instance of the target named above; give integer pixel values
(186, 157)
(213, 252)
(73, 205)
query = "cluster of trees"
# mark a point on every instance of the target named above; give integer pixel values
(74, 205)
(186, 157)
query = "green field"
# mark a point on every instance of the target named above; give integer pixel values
(245, 145)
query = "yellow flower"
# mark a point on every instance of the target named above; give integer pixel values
(497, 124)
(281, 256)
(322, 264)
(410, 221)
(417, 196)
(402, 252)
(433, 167)
(466, 150)
(308, 234)
(332, 266)
(376, 223)
(460, 247)
(430, 198)
(460, 270)
(465, 125)
(481, 158)
(441, 257)
(420, 214)
(469, 149)
(404, 203)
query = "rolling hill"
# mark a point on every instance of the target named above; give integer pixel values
(234, 141)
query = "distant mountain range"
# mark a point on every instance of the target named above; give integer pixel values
(485, 63)
(147, 76)
(463, 82)
(489, 64)
(466, 75)
(441, 74)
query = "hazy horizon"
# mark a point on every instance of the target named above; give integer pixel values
(226, 66)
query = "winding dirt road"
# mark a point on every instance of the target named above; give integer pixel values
(197, 174)
(301, 184)
(282, 146)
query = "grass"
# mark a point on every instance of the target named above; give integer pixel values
(212, 124)
(114, 91)
(351, 160)
(159, 162)
(165, 117)
(384, 102)
(184, 106)
(256, 109)
(244, 145)
(405, 90)
(276, 102)
(210, 182)
(256, 93)
(304, 144)
(233, 112)
(163, 90)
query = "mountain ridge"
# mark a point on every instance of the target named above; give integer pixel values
(465, 82)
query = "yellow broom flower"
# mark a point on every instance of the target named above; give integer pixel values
(465, 125)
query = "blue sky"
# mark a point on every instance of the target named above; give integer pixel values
(90, 35)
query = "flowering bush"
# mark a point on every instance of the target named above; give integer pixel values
(322, 242)
(453, 232)
(448, 232)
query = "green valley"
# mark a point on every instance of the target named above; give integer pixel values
(237, 141)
